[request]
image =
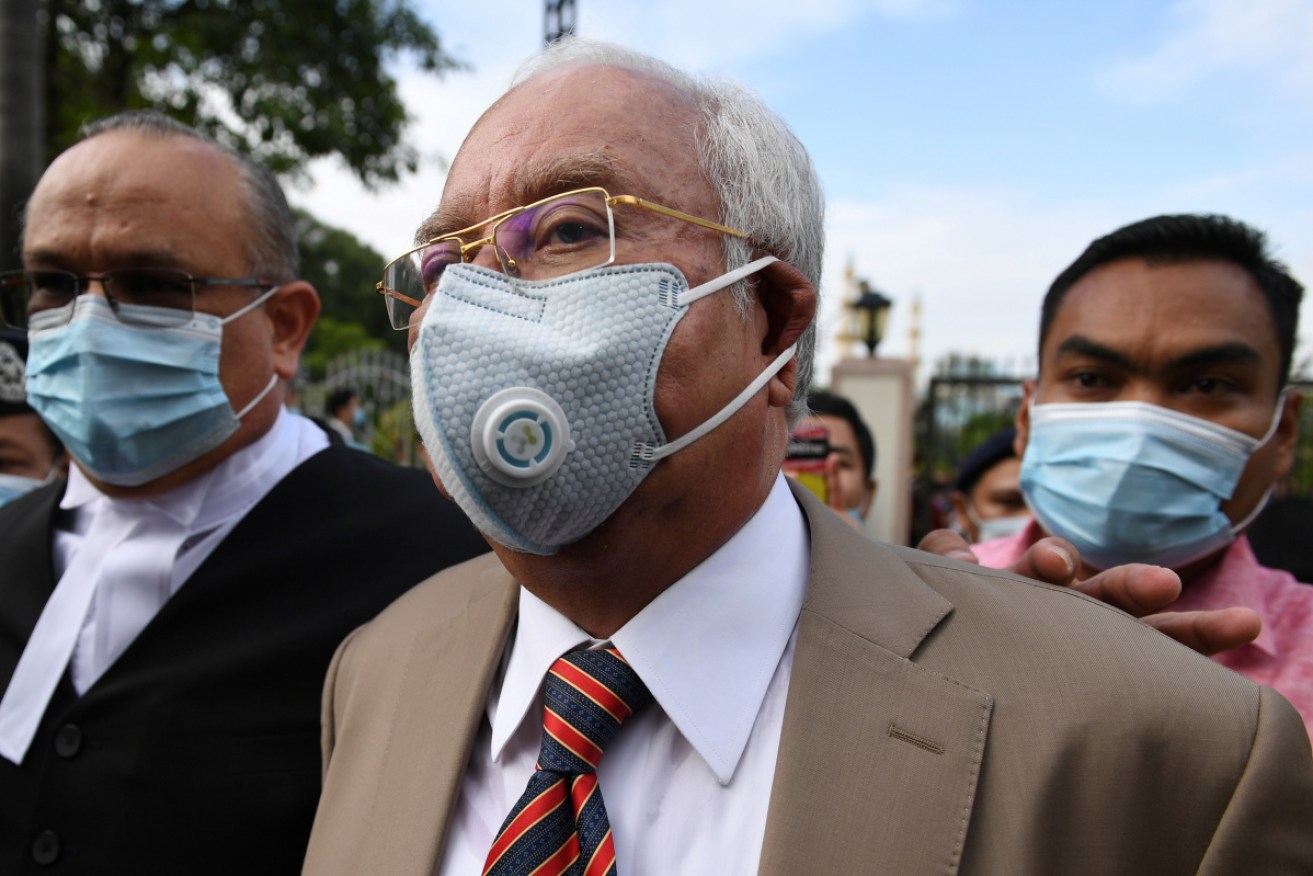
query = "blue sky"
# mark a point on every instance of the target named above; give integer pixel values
(969, 149)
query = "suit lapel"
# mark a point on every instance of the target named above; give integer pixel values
(879, 757)
(401, 744)
(449, 675)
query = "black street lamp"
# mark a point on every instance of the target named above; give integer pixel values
(872, 311)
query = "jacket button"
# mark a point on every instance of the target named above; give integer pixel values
(45, 849)
(68, 741)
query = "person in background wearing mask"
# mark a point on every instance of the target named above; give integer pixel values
(1160, 422)
(850, 486)
(346, 417)
(30, 454)
(167, 612)
(987, 501)
(678, 660)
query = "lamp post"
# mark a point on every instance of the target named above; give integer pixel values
(872, 311)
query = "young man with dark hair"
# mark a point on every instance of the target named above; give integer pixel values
(1160, 422)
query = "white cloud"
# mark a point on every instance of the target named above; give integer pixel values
(1267, 37)
(977, 258)
(496, 39)
(981, 258)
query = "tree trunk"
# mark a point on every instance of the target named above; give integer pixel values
(22, 118)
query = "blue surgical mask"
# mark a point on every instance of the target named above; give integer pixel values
(358, 418)
(13, 486)
(535, 399)
(132, 402)
(990, 528)
(1129, 482)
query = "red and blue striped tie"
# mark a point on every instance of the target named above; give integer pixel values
(559, 826)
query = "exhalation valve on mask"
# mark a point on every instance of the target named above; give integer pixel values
(520, 437)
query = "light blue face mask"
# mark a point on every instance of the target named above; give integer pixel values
(1129, 482)
(132, 402)
(13, 486)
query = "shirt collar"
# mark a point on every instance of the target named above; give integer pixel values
(707, 647)
(217, 495)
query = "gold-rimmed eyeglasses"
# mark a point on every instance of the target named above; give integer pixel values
(556, 236)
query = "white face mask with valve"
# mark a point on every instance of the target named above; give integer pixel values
(535, 400)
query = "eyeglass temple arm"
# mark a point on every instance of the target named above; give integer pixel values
(674, 214)
(232, 281)
(393, 293)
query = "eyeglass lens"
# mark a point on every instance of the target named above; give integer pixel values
(552, 238)
(26, 294)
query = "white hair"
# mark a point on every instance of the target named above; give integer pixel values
(762, 174)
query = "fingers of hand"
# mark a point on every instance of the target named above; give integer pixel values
(1051, 560)
(1134, 588)
(947, 543)
(1209, 632)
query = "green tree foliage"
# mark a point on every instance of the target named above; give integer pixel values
(980, 427)
(284, 81)
(1301, 474)
(331, 339)
(343, 269)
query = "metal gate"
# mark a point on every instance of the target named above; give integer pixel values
(381, 378)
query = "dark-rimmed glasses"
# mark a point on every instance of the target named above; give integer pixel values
(28, 294)
(556, 236)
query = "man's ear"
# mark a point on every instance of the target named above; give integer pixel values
(292, 312)
(788, 301)
(1023, 419)
(1286, 438)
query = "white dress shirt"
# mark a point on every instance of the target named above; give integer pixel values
(181, 527)
(686, 781)
(118, 561)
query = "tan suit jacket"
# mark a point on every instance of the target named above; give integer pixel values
(941, 718)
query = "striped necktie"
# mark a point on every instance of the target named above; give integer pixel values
(559, 825)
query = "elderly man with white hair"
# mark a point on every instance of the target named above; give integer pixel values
(676, 662)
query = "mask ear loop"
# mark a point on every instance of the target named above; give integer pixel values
(726, 279)
(1249, 518)
(273, 381)
(969, 506)
(650, 454)
(273, 378)
(1276, 417)
(248, 308)
(647, 453)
